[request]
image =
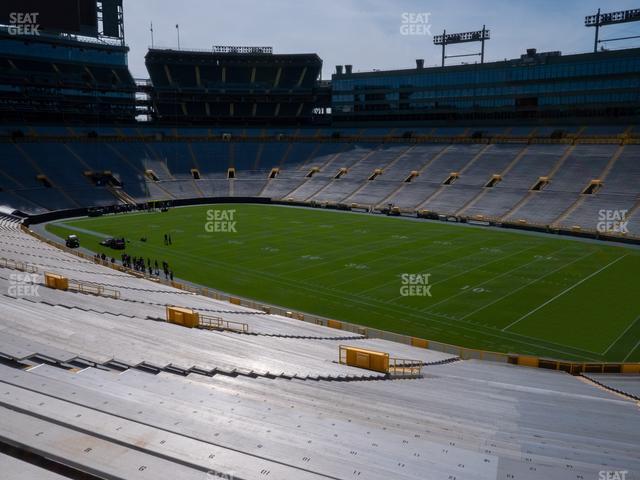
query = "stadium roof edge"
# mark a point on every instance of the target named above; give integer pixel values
(488, 65)
(72, 41)
(211, 53)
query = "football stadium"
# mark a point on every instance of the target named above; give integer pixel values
(242, 263)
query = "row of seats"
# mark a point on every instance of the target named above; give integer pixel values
(143, 130)
(449, 179)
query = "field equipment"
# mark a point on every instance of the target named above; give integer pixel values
(72, 241)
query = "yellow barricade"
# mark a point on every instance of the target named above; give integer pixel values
(183, 316)
(367, 359)
(334, 324)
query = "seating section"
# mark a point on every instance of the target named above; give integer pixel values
(103, 385)
(625, 384)
(130, 326)
(474, 180)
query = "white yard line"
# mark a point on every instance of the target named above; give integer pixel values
(563, 292)
(413, 261)
(632, 350)
(465, 272)
(492, 278)
(621, 335)
(536, 280)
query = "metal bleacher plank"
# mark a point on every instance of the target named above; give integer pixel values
(84, 452)
(193, 437)
(154, 446)
(19, 348)
(16, 469)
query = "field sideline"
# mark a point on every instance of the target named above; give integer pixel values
(493, 289)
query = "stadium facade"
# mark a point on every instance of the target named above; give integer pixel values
(53, 76)
(233, 85)
(547, 86)
(56, 78)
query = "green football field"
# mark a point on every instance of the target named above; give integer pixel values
(492, 289)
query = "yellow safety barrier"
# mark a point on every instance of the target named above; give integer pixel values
(528, 361)
(379, 361)
(234, 301)
(367, 359)
(189, 318)
(419, 342)
(55, 281)
(183, 316)
(631, 368)
(59, 282)
(574, 368)
(334, 324)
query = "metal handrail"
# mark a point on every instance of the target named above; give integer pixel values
(218, 323)
(16, 265)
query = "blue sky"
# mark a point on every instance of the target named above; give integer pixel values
(366, 33)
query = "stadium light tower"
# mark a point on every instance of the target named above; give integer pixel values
(466, 37)
(612, 18)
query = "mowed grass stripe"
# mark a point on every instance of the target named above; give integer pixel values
(595, 313)
(437, 328)
(414, 324)
(443, 283)
(360, 252)
(348, 274)
(410, 267)
(328, 287)
(476, 287)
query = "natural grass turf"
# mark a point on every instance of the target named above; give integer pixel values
(492, 289)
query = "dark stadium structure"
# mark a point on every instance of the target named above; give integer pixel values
(99, 376)
(246, 85)
(59, 77)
